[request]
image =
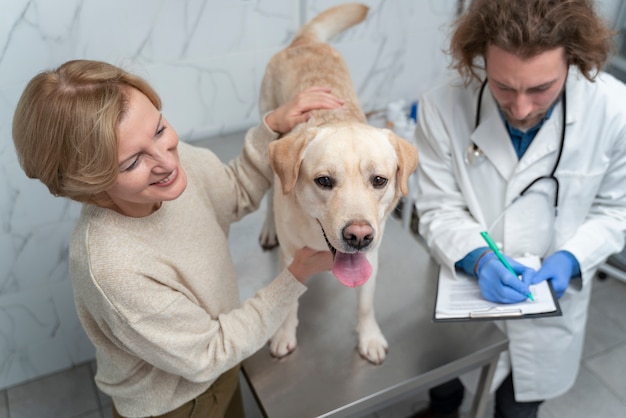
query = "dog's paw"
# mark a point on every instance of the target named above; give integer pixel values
(373, 347)
(268, 241)
(283, 343)
(268, 238)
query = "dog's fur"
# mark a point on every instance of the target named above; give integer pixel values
(337, 178)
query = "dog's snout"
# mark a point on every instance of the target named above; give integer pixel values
(358, 235)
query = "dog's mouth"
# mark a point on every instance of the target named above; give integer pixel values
(351, 269)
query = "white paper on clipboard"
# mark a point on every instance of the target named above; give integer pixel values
(459, 298)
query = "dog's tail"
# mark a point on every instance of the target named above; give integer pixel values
(330, 23)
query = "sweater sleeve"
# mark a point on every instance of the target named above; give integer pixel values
(181, 338)
(237, 187)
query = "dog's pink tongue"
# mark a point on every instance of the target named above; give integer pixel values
(352, 270)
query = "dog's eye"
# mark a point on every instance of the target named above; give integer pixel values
(379, 182)
(324, 182)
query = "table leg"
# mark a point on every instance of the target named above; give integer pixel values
(481, 398)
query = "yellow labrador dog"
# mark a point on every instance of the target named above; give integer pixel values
(337, 178)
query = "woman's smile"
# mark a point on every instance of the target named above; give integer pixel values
(148, 156)
(171, 178)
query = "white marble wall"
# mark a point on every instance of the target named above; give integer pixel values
(206, 59)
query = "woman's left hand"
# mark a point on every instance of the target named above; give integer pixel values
(298, 109)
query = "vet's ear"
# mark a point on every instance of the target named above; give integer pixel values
(407, 160)
(286, 156)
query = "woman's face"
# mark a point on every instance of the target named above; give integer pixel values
(149, 167)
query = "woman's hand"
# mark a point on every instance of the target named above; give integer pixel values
(298, 109)
(307, 262)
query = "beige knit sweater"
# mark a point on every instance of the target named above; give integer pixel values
(158, 295)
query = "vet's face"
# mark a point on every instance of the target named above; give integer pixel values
(525, 88)
(150, 171)
(348, 182)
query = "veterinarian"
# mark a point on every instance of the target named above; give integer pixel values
(153, 280)
(528, 143)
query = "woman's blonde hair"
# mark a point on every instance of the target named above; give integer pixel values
(527, 28)
(65, 127)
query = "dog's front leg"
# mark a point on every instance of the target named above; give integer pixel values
(372, 343)
(268, 238)
(284, 340)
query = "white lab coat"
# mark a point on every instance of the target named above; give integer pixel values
(457, 200)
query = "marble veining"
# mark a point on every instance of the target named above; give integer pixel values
(206, 58)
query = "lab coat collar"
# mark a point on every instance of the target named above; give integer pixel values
(575, 95)
(492, 137)
(491, 134)
(548, 139)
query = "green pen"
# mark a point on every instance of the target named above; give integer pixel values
(498, 254)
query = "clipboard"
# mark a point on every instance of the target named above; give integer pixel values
(459, 299)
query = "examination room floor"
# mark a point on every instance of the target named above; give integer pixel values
(599, 390)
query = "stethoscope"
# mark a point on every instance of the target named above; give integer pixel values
(475, 156)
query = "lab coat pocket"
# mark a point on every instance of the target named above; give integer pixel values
(577, 194)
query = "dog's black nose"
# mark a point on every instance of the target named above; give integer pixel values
(358, 235)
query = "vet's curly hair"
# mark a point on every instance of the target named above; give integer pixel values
(527, 28)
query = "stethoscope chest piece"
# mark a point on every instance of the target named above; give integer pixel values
(474, 155)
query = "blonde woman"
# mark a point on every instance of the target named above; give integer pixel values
(153, 280)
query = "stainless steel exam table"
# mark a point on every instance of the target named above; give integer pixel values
(325, 376)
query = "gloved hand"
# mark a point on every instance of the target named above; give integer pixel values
(498, 284)
(559, 268)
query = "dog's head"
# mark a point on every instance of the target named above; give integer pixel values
(349, 177)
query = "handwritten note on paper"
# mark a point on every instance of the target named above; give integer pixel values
(459, 297)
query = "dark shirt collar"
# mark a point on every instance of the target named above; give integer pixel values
(521, 140)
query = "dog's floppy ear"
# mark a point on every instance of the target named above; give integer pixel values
(407, 159)
(286, 156)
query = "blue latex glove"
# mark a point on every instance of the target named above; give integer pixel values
(558, 267)
(498, 284)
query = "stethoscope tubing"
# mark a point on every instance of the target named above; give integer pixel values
(474, 147)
